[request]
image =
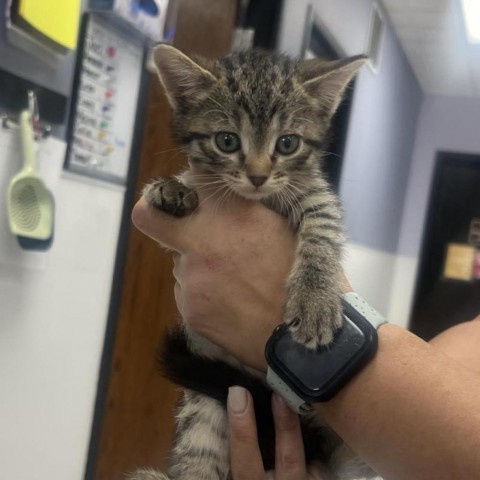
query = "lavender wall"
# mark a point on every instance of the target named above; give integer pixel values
(379, 149)
(382, 126)
(446, 123)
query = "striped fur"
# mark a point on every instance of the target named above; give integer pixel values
(259, 98)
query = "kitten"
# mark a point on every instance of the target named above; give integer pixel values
(258, 124)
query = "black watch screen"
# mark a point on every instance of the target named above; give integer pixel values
(317, 375)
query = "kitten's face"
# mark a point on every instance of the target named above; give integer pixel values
(255, 121)
(260, 140)
(258, 167)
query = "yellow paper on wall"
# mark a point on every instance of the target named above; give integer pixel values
(459, 262)
(56, 19)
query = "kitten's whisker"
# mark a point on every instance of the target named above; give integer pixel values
(288, 200)
(299, 109)
(217, 190)
(324, 153)
(205, 177)
(222, 200)
(316, 211)
(190, 217)
(301, 191)
(218, 111)
(166, 151)
(280, 200)
(221, 107)
(205, 184)
(206, 189)
(209, 175)
(284, 203)
(299, 196)
(295, 202)
(305, 120)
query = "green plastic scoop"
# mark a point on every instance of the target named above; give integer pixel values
(29, 203)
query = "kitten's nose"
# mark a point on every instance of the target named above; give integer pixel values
(258, 180)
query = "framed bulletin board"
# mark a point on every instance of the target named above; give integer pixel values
(108, 80)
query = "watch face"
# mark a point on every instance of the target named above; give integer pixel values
(318, 374)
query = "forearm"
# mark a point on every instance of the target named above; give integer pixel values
(461, 343)
(408, 413)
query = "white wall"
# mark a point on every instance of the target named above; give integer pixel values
(53, 312)
(344, 22)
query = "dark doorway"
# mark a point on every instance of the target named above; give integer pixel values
(442, 298)
(317, 44)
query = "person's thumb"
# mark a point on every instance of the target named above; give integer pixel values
(171, 232)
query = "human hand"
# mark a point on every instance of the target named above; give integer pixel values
(246, 460)
(231, 266)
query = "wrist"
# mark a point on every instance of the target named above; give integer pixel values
(303, 376)
(389, 335)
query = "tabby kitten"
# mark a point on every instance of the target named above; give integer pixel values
(257, 123)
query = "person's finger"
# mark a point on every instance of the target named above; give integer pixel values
(245, 457)
(177, 267)
(289, 451)
(316, 472)
(172, 232)
(182, 234)
(177, 292)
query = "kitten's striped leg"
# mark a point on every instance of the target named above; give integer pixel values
(313, 304)
(171, 196)
(201, 449)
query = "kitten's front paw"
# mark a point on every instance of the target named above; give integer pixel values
(171, 196)
(146, 474)
(313, 316)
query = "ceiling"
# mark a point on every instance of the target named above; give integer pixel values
(433, 37)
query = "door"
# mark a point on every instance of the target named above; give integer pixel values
(448, 286)
(133, 421)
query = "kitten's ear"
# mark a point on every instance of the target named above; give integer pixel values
(182, 78)
(327, 81)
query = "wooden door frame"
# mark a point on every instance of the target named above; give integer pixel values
(189, 40)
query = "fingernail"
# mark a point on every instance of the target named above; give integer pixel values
(237, 400)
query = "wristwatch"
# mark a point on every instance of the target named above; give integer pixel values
(303, 376)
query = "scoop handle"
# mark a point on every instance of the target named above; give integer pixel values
(28, 151)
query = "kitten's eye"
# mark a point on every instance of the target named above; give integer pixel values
(287, 144)
(227, 142)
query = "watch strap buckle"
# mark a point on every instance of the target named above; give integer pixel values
(296, 403)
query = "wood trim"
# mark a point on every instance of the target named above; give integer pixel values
(136, 424)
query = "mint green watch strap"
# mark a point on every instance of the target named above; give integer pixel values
(359, 304)
(297, 403)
